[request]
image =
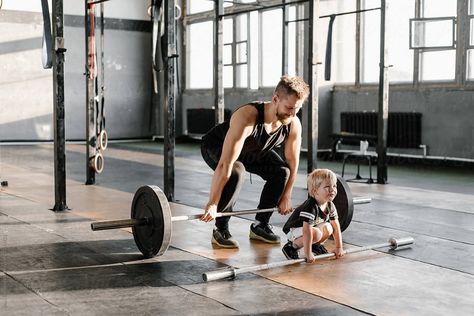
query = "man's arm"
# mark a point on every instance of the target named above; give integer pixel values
(241, 125)
(292, 157)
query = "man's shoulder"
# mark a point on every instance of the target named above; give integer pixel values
(296, 122)
(246, 109)
(245, 114)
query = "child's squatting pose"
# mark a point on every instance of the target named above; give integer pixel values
(311, 224)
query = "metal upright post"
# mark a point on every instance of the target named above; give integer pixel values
(416, 51)
(284, 40)
(169, 105)
(59, 126)
(218, 63)
(90, 88)
(382, 118)
(462, 36)
(313, 83)
(357, 45)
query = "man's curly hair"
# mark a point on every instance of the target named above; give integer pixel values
(293, 85)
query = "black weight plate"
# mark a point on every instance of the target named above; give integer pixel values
(344, 203)
(153, 239)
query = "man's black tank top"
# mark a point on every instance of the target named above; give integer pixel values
(258, 142)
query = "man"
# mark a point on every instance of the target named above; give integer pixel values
(246, 143)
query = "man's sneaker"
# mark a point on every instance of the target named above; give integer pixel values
(318, 249)
(223, 238)
(289, 251)
(264, 233)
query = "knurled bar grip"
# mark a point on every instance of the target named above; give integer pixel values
(124, 223)
(232, 272)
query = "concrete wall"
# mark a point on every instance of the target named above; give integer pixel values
(447, 122)
(26, 96)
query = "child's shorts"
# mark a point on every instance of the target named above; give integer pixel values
(297, 232)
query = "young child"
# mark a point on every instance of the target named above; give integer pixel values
(311, 224)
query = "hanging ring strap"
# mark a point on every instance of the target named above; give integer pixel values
(91, 43)
(47, 45)
(327, 68)
(102, 70)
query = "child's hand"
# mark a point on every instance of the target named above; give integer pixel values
(310, 258)
(339, 252)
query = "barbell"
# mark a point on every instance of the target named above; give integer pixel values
(151, 219)
(231, 272)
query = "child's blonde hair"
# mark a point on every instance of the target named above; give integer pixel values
(317, 176)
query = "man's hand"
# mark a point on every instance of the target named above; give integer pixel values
(285, 206)
(210, 213)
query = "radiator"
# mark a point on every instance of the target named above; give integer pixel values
(201, 120)
(404, 128)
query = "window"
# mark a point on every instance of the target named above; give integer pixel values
(370, 43)
(228, 34)
(343, 42)
(200, 58)
(436, 8)
(236, 52)
(196, 6)
(271, 47)
(470, 50)
(253, 51)
(241, 51)
(400, 56)
(437, 64)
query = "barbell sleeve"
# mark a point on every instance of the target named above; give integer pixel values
(119, 223)
(361, 200)
(231, 272)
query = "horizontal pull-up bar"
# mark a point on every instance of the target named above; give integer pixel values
(263, 8)
(97, 1)
(336, 14)
(349, 12)
(291, 3)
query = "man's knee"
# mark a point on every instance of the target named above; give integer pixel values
(282, 174)
(238, 172)
(238, 169)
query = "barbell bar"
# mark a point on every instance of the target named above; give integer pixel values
(124, 223)
(230, 272)
(151, 219)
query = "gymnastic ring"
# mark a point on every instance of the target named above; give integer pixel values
(177, 12)
(103, 140)
(98, 163)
